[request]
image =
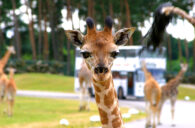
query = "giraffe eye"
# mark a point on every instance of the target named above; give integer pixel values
(86, 54)
(114, 54)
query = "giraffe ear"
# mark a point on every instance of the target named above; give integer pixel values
(122, 36)
(75, 36)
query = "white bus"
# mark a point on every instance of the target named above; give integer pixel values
(127, 74)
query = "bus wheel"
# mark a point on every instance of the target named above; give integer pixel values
(120, 93)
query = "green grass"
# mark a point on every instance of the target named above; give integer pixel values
(45, 82)
(46, 113)
(185, 91)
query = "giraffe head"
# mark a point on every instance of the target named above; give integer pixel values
(99, 48)
(11, 49)
(11, 70)
(184, 67)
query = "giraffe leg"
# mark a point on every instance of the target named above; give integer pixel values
(159, 112)
(173, 100)
(81, 107)
(82, 96)
(88, 99)
(154, 117)
(10, 107)
(148, 114)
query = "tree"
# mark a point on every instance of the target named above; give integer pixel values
(128, 19)
(40, 27)
(45, 34)
(16, 31)
(31, 29)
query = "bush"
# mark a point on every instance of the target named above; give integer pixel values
(54, 67)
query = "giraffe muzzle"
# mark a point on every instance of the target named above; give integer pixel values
(98, 70)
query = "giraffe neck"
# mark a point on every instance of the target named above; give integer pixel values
(107, 102)
(180, 74)
(146, 73)
(5, 59)
(11, 75)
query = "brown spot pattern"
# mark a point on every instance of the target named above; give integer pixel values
(109, 98)
(107, 83)
(116, 111)
(115, 94)
(97, 98)
(97, 89)
(103, 116)
(116, 123)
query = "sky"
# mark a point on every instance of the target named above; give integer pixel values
(182, 29)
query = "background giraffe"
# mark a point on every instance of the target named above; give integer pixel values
(99, 48)
(85, 81)
(170, 91)
(3, 77)
(152, 92)
(5, 58)
(10, 91)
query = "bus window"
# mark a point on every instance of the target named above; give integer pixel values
(116, 75)
(127, 53)
(140, 76)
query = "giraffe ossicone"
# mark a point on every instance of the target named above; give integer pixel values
(99, 49)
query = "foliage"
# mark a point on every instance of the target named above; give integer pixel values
(51, 16)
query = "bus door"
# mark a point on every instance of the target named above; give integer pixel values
(130, 82)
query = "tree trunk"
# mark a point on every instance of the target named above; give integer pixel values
(40, 28)
(1, 33)
(186, 50)
(194, 53)
(103, 10)
(128, 19)
(91, 8)
(111, 9)
(45, 40)
(17, 41)
(53, 25)
(31, 30)
(169, 50)
(180, 50)
(69, 13)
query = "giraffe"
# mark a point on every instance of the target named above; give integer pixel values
(4, 60)
(170, 91)
(10, 91)
(3, 83)
(152, 92)
(3, 77)
(85, 81)
(99, 49)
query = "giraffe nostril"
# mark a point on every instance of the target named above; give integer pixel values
(105, 70)
(96, 70)
(100, 70)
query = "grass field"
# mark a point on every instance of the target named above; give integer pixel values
(184, 91)
(46, 113)
(45, 82)
(59, 83)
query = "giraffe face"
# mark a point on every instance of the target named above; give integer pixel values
(184, 67)
(11, 49)
(11, 70)
(100, 48)
(99, 53)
